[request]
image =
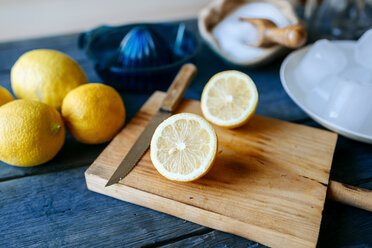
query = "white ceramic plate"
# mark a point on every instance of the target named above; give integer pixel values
(298, 95)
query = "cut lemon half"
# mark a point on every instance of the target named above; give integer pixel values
(229, 99)
(183, 147)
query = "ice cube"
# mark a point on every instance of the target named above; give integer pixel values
(318, 97)
(357, 73)
(363, 50)
(323, 59)
(350, 103)
(348, 51)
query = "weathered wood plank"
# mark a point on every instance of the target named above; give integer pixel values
(67, 44)
(352, 162)
(67, 38)
(214, 239)
(56, 210)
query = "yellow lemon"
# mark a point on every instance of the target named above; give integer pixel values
(31, 133)
(5, 96)
(183, 147)
(94, 113)
(229, 99)
(45, 76)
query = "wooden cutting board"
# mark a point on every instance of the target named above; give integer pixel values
(268, 183)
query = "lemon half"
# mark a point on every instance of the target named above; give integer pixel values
(183, 147)
(229, 99)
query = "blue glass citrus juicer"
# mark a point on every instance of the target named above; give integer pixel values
(139, 57)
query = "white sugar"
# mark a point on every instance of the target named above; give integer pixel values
(233, 34)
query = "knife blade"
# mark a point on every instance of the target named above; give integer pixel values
(172, 98)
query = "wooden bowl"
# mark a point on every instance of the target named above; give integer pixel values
(217, 10)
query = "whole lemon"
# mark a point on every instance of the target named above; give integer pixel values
(45, 76)
(93, 113)
(5, 96)
(31, 133)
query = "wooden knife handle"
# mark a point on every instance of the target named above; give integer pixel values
(178, 87)
(292, 36)
(350, 195)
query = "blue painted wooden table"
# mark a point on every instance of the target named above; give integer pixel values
(50, 206)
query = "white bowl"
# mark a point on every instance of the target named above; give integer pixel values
(291, 86)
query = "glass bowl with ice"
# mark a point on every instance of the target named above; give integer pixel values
(332, 82)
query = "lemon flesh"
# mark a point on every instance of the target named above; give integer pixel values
(183, 147)
(229, 99)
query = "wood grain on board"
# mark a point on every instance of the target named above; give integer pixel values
(268, 183)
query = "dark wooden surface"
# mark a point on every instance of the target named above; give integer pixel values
(49, 205)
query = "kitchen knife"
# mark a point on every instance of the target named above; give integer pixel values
(172, 99)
